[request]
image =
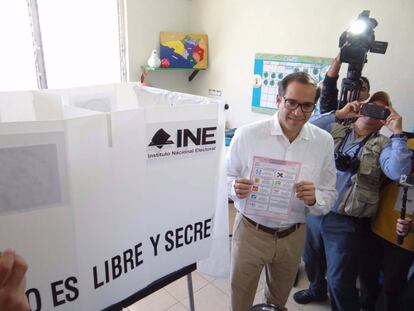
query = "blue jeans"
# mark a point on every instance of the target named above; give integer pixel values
(331, 250)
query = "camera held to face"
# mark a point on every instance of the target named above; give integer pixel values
(375, 111)
(344, 162)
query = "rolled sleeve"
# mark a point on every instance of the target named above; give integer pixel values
(324, 121)
(329, 94)
(395, 158)
(325, 192)
(235, 158)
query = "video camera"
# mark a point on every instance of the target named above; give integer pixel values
(359, 39)
(355, 43)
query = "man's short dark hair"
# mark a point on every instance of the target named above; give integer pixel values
(300, 77)
(365, 79)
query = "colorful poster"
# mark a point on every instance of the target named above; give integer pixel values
(183, 50)
(272, 192)
(269, 69)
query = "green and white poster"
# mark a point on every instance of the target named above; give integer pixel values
(269, 69)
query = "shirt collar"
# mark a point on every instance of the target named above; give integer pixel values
(276, 129)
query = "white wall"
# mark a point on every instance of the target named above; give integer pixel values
(238, 29)
(144, 21)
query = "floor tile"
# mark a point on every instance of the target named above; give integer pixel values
(293, 307)
(209, 298)
(206, 276)
(303, 282)
(317, 306)
(158, 301)
(223, 285)
(262, 281)
(179, 289)
(258, 298)
(178, 307)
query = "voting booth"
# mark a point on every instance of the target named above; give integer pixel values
(106, 189)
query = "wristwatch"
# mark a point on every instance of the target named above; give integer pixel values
(399, 135)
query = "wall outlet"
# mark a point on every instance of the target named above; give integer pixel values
(214, 92)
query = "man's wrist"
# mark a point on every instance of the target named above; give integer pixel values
(338, 115)
(398, 134)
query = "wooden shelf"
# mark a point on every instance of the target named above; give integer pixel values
(147, 69)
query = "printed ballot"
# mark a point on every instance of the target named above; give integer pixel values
(272, 191)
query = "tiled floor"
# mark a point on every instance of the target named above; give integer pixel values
(210, 294)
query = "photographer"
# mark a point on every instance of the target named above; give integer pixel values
(329, 94)
(333, 241)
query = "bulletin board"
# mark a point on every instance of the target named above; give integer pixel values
(269, 69)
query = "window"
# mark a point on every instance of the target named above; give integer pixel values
(17, 66)
(79, 41)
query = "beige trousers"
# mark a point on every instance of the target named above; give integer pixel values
(253, 249)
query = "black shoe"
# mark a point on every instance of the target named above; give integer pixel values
(304, 297)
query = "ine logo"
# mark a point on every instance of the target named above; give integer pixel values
(201, 136)
(160, 139)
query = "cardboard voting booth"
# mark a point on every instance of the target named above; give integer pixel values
(106, 189)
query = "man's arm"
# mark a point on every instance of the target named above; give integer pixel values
(395, 157)
(329, 94)
(238, 188)
(324, 191)
(13, 282)
(325, 121)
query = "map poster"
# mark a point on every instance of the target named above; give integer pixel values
(183, 50)
(272, 191)
(269, 69)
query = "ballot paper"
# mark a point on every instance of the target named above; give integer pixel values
(273, 188)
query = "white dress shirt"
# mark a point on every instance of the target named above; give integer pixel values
(313, 148)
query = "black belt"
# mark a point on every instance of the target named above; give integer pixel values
(276, 232)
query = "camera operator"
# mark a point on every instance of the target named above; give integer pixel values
(329, 93)
(333, 241)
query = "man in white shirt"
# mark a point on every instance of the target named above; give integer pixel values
(273, 242)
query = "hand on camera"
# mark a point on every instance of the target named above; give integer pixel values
(305, 191)
(350, 110)
(243, 187)
(404, 226)
(393, 122)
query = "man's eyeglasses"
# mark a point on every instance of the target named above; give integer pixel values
(292, 104)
